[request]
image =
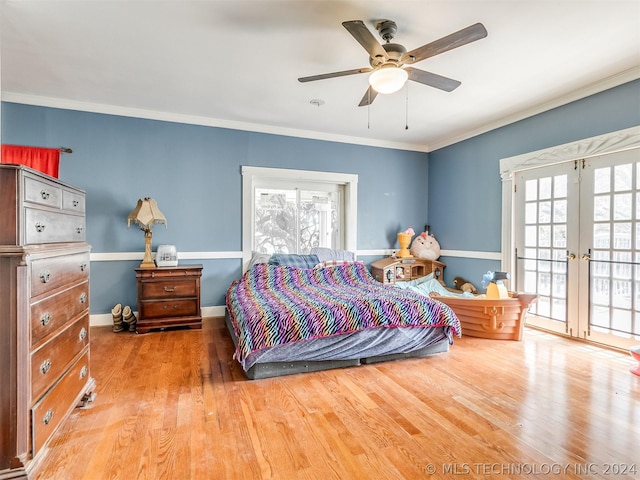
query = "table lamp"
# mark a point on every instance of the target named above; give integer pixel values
(146, 214)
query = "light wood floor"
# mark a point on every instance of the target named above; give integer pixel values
(174, 405)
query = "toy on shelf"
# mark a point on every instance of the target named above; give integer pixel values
(404, 239)
(425, 246)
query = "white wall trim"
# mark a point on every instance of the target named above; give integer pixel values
(576, 94)
(104, 319)
(472, 254)
(123, 256)
(203, 121)
(572, 96)
(589, 147)
(381, 252)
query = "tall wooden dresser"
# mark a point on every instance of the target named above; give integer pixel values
(44, 313)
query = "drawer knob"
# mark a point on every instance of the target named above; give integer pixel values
(44, 194)
(83, 297)
(45, 276)
(47, 417)
(76, 203)
(40, 227)
(83, 267)
(83, 334)
(168, 289)
(45, 367)
(45, 319)
(84, 371)
(78, 230)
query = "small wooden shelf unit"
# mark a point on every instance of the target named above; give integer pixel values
(393, 269)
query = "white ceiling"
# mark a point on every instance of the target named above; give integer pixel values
(235, 63)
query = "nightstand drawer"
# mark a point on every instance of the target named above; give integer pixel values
(169, 308)
(169, 288)
(54, 357)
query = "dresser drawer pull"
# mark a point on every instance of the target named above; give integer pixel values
(83, 334)
(45, 276)
(76, 203)
(83, 297)
(174, 307)
(167, 289)
(44, 194)
(47, 417)
(45, 319)
(40, 227)
(83, 267)
(78, 230)
(84, 371)
(45, 367)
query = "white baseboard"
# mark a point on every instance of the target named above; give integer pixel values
(104, 319)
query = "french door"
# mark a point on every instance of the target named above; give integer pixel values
(577, 237)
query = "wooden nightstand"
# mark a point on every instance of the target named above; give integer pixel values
(168, 297)
(392, 269)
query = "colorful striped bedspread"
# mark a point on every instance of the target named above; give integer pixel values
(273, 305)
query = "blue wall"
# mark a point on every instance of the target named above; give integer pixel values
(117, 160)
(457, 189)
(465, 189)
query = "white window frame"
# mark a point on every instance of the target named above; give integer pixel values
(253, 175)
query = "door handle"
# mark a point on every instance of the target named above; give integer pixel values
(571, 256)
(586, 256)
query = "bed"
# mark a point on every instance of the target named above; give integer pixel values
(289, 319)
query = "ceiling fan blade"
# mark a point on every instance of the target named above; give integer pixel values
(369, 97)
(334, 74)
(432, 79)
(364, 37)
(455, 40)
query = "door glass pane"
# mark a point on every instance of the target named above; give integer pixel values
(622, 206)
(602, 180)
(622, 177)
(614, 270)
(545, 242)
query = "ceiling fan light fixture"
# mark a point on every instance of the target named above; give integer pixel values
(388, 79)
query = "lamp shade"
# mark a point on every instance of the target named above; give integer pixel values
(388, 79)
(146, 214)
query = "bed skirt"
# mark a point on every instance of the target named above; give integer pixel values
(365, 347)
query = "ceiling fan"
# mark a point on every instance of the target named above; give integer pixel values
(389, 61)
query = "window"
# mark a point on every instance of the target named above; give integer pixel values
(292, 211)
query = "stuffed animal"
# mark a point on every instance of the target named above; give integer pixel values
(461, 284)
(425, 246)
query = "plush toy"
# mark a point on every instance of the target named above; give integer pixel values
(461, 284)
(425, 246)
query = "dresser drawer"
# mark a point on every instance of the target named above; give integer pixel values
(53, 358)
(42, 193)
(47, 274)
(47, 414)
(73, 202)
(169, 308)
(169, 288)
(52, 313)
(44, 226)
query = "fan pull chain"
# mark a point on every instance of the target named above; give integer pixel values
(406, 118)
(369, 109)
